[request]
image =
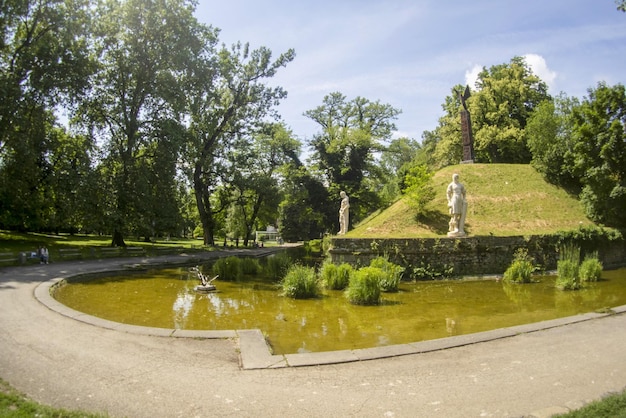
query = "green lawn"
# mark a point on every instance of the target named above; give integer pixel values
(503, 200)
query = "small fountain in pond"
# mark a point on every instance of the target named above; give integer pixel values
(206, 283)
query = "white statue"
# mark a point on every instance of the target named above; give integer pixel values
(457, 206)
(344, 213)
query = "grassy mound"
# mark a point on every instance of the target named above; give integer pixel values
(503, 200)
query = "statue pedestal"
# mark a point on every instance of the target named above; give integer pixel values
(456, 234)
(205, 288)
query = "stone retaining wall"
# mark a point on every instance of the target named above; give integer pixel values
(430, 258)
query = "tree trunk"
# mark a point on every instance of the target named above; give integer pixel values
(118, 239)
(204, 206)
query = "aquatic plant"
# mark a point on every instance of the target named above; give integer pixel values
(335, 277)
(249, 265)
(364, 287)
(228, 268)
(300, 282)
(567, 267)
(390, 280)
(277, 265)
(590, 269)
(521, 269)
(344, 271)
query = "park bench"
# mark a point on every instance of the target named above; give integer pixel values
(70, 253)
(109, 251)
(135, 251)
(9, 258)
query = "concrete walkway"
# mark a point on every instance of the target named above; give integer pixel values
(67, 359)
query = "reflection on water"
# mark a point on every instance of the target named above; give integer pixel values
(419, 311)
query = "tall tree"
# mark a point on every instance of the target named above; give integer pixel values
(352, 132)
(43, 63)
(229, 102)
(504, 98)
(551, 141)
(599, 130)
(145, 50)
(394, 162)
(255, 182)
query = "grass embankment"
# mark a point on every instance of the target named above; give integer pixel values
(503, 200)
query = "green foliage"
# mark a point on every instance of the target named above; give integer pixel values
(16, 405)
(551, 141)
(344, 151)
(568, 268)
(501, 103)
(249, 265)
(567, 275)
(305, 211)
(418, 187)
(429, 272)
(277, 265)
(335, 277)
(590, 269)
(392, 274)
(228, 268)
(300, 282)
(521, 270)
(599, 154)
(364, 287)
(613, 406)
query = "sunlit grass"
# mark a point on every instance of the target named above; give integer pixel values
(503, 200)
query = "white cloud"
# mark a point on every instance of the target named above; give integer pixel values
(540, 68)
(472, 75)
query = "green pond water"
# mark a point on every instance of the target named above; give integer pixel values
(419, 311)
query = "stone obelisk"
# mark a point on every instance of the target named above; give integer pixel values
(466, 129)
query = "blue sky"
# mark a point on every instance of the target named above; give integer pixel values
(410, 53)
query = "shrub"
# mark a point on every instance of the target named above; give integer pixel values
(344, 272)
(590, 269)
(249, 265)
(390, 281)
(567, 275)
(521, 270)
(328, 273)
(228, 268)
(277, 265)
(300, 282)
(364, 287)
(335, 277)
(567, 267)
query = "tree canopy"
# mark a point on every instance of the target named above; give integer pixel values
(166, 131)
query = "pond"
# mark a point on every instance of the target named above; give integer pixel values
(419, 311)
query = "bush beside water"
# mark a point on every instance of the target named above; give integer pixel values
(392, 274)
(571, 273)
(521, 270)
(300, 282)
(590, 269)
(250, 265)
(364, 287)
(277, 265)
(228, 268)
(335, 277)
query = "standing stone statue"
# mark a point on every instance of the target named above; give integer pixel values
(344, 213)
(458, 207)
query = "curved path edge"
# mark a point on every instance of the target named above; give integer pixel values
(255, 353)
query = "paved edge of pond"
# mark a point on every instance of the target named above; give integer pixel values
(254, 350)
